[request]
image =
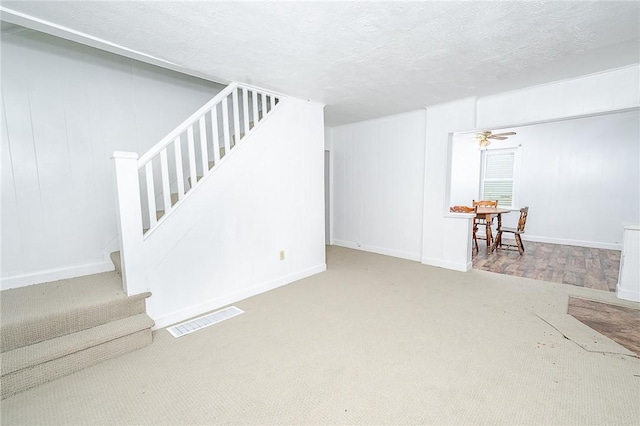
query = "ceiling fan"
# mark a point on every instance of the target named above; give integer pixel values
(483, 137)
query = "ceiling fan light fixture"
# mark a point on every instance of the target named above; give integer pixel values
(483, 141)
(483, 137)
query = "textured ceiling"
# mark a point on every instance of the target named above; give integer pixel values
(367, 59)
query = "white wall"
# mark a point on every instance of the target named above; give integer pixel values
(606, 91)
(328, 138)
(581, 179)
(464, 184)
(223, 244)
(378, 169)
(67, 108)
(446, 236)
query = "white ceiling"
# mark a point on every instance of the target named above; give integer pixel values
(366, 59)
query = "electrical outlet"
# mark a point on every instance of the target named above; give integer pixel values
(281, 254)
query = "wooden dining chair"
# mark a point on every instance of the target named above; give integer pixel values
(517, 232)
(485, 203)
(482, 222)
(467, 209)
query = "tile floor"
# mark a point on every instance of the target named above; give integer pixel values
(579, 266)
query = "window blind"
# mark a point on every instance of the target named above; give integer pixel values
(498, 177)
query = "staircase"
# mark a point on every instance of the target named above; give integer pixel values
(170, 170)
(54, 329)
(153, 186)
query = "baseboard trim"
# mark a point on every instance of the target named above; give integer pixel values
(184, 314)
(378, 250)
(56, 274)
(631, 295)
(461, 267)
(578, 243)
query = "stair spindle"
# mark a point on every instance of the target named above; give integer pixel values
(151, 194)
(193, 172)
(203, 146)
(264, 105)
(245, 110)
(256, 117)
(166, 187)
(236, 117)
(225, 125)
(216, 138)
(177, 146)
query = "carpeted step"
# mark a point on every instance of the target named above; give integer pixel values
(117, 261)
(197, 180)
(37, 327)
(53, 329)
(49, 350)
(29, 366)
(174, 200)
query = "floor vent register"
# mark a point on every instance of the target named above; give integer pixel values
(199, 323)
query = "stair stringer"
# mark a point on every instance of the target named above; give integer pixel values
(223, 244)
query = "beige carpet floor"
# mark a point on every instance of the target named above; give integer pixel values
(373, 340)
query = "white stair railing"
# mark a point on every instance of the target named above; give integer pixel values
(151, 187)
(171, 170)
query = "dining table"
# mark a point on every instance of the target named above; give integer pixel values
(486, 213)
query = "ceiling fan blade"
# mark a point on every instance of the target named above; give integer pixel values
(497, 137)
(505, 134)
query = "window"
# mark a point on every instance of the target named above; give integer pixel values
(498, 176)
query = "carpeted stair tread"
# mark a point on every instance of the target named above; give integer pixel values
(27, 378)
(117, 261)
(20, 304)
(233, 137)
(22, 331)
(48, 350)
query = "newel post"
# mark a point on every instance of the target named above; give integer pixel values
(130, 222)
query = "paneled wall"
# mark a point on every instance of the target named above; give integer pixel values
(601, 92)
(378, 181)
(446, 236)
(66, 108)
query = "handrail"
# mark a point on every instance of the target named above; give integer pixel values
(152, 187)
(193, 118)
(182, 127)
(261, 90)
(194, 149)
